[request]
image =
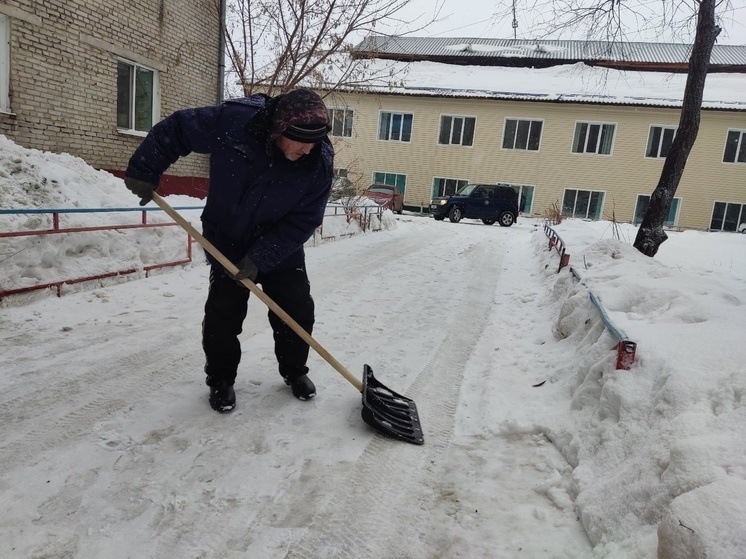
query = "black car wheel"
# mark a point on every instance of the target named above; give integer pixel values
(455, 214)
(439, 217)
(506, 219)
(488, 221)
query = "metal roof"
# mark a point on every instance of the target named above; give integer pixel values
(470, 50)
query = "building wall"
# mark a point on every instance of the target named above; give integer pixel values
(622, 175)
(63, 71)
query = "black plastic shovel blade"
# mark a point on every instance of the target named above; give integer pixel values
(388, 412)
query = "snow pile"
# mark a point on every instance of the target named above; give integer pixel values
(639, 439)
(30, 178)
(33, 179)
(350, 216)
(567, 82)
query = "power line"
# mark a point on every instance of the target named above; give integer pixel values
(515, 24)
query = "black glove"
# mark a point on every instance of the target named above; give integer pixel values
(141, 188)
(246, 269)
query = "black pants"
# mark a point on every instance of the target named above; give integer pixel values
(225, 311)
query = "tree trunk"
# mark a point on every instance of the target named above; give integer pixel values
(651, 235)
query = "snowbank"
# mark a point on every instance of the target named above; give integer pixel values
(645, 444)
(32, 179)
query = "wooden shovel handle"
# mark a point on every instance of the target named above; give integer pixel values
(251, 286)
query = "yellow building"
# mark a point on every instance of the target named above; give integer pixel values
(590, 140)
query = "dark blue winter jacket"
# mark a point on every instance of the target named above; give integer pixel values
(259, 203)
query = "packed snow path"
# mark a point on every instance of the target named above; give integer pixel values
(108, 447)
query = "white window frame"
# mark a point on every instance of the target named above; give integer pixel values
(4, 64)
(402, 189)
(663, 128)
(585, 216)
(598, 142)
(742, 215)
(518, 120)
(739, 146)
(676, 212)
(463, 119)
(435, 195)
(521, 191)
(155, 115)
(391, 114)
(348, 117)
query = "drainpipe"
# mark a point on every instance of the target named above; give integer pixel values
(221, 53)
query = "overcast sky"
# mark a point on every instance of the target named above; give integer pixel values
(493, 19)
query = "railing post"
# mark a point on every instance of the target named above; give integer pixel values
(625, 354)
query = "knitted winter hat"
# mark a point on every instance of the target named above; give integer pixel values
(301, 116)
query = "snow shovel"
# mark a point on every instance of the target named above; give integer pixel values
(383, 409)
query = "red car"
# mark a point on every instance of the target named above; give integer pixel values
(387, 196)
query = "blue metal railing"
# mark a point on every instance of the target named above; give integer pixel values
(56, 229)
(91, 210)
(56, 212)
(361, 214)
(626, 349)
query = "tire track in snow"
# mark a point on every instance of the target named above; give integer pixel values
(373, 257)
(121, 376)
(115, 377)
(294, 504)
(361, 520)
(284, 506)
(101, 400)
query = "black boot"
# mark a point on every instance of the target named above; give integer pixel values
(222, 398)
(303, 388)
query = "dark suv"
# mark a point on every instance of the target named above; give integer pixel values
(488, 202)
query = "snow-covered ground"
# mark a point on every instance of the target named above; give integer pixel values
(534, 445)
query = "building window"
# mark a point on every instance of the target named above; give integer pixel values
(728, 216)
(522, 134)
(643, 202)
(659, 141)
(583, 203)
(735, 147)
(457, 130)
(447, 187)
(525, 197)
(341, 120)
(392, 179)
(593, 137)
(137, 88)
(395, 127)
(4, 64)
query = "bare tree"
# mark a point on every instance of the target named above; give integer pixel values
(651, 235)
(276, 45)
(609, 20)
